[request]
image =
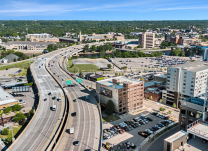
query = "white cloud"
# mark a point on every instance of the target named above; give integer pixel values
(181, 8)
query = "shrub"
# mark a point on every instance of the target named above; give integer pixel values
(174, 105)
(7, 110)
(169, 112)
(5, 131)
(16, 107)
(9, 139)
(162, 109)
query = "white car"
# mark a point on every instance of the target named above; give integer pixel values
(149, 131)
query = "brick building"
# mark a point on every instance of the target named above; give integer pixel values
(126, 94)
(154, 90)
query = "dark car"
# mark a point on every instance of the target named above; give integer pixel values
(76, 143)
(54, 97)
(149, 119)
(204, 141)
(49, 93)
(75, 100)
(74, 114)
(152, 129)
(45, 99)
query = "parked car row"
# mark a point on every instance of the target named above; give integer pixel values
(125, 126)
(150, 131)
(160, 116)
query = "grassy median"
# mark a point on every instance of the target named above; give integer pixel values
(110, 118)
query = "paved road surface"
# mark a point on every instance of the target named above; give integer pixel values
(158, 144)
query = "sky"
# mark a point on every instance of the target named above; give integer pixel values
(103, 10)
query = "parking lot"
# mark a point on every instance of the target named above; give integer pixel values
(148, 62)
(132, 135)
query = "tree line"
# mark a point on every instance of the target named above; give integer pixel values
(59, 28)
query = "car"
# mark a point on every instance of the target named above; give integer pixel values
(39, 66)
(54, 97)
(148, 118)
(154, 113)
(74, 114)
(49, 93)
(76, 143)
(59, 99)
(149, 131)
(152, 129)
(75, 100)
(45, 99)
(204, 141)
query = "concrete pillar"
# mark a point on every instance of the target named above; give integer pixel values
(179, 122)
(187, 119)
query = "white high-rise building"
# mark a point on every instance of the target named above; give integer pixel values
(184, 81)
(147, 40)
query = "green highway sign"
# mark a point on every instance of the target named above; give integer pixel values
(68, 81)
(79, 80)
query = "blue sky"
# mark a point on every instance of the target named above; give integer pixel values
(103, 10)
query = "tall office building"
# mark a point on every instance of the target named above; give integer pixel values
(187, 88)
(147, 40)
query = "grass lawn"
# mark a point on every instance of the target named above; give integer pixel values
(110, 118)
(15, 130)
(21, 65)
(81, 67)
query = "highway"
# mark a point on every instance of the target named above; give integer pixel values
(40, 131)
(87, 121)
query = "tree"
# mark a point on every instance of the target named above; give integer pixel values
(109, 66)
(5, 131)
(30, 113)
(130, 47)
(7, 109)
(1, 115)
(86, 48)
(18, 117)
(15, 60)
(110, 107)
(163, 44)
(161, 100)
(142, 79)
(169, 112)
(116, 74)
(9, 139)
(16, 107)
(93, 48)
(135, 48)
(122, 74)
(80, 74)
(150, 97)
(162, 109)
(174, 105)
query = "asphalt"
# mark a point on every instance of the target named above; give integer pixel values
(158, 144)
(86, 122)
(41, 129)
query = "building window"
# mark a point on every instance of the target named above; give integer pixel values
(183, 111)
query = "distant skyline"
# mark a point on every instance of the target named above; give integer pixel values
(104, 10)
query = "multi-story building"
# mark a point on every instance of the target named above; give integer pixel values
(43, 37)
(186, 87)
(147, 40)
(26, 45)
(126, 94)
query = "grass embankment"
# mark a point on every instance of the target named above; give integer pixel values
(110, 118)
(22, 65)
(81, 67)
(15, 131)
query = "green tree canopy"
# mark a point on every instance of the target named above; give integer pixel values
(16, 107)
(109, 66)
(110, 107)
(18, 117)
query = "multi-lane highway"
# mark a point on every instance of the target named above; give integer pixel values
(40, 132)
(87, 120)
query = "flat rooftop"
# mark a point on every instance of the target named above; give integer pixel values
(192, 66)
(109, 83)
(176, 136)
(5, 97)
(200, 129)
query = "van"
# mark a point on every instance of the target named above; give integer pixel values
(71, 130)
(54, 107)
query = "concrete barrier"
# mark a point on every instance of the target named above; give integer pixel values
(38, 88)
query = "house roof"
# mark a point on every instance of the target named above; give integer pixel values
(11, 57)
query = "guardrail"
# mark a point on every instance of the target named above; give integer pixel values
(96, 103)
(38, 88)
